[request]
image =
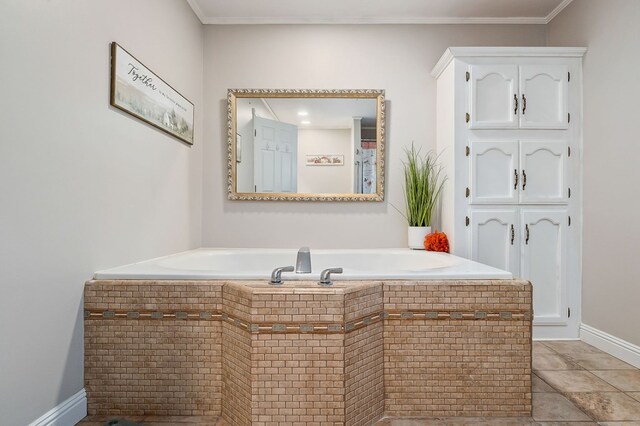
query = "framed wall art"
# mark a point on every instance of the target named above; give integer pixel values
(325, 160)
(138, 91)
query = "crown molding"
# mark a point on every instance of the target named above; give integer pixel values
(476, 52)
(326, 20)
(196, 9)
(398, 20)
(557, 10)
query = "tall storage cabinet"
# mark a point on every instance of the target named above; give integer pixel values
(510, 138)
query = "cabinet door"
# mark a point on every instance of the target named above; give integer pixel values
(543, 168)
(494, 172)
(493, 97)
(543, 262)
(544, 101)
(494, 238)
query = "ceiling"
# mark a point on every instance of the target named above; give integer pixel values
(319, 113)
(377, 11)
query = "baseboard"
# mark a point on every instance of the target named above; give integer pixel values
(68, 412)
(628, 352)
(551, 339)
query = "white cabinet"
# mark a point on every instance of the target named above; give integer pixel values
(512, 172)
(510, 96)
(494, 240)
(543, 261)
(531, 243)
(509, 134)
(493, 96)
(543, 169)
(543, 96)
(494, 172)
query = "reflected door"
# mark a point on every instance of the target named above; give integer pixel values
(275, 156)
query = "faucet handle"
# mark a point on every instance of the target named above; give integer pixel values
(325, 275)
(276, 278)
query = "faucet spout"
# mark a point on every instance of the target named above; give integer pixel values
(303, 261)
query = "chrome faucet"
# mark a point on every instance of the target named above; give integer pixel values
(303, 261)
(276, 275)
(325, 275)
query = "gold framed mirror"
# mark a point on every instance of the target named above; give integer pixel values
(306, 145)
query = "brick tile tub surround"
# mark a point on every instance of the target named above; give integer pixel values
(300, 353)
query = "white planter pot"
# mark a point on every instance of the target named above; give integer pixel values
(416, 236)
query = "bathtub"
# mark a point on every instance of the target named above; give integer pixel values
(257, 264)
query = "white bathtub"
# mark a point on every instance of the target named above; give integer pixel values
(257, 264)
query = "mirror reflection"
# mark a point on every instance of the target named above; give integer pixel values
(312, 146)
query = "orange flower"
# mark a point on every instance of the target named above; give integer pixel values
(437, 241)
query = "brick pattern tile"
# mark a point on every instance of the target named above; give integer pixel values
(363, 302)
(237, 378)
(297, 308)
(159, 367)
(364, 372)
(237, 301)
(298, 378)
(140, 367)
(260, 359)
(364, 375)
(136, 295)
(457, 367)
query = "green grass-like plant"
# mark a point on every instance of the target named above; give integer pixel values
(423, 182)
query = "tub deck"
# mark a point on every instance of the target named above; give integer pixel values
(300, 353)
(257, 264)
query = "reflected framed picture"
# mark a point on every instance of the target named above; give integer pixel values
(325, 160)
(136, 90)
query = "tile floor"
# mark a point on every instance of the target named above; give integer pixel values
(574, 384)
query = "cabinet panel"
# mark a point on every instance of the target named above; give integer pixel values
(494, 238)
(544, 99)
(493, 97)
(494, 172)
(543, 262)
(544, 172)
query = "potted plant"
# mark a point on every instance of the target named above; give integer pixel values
(423, 183)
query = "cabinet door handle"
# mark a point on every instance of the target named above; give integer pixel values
(515, 107)
(513, 234)
(524, 104)
(515, 176)
(526, 240)
(524, 179)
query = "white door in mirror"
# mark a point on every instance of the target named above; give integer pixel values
(275, 156)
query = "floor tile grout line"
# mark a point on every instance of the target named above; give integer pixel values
(558, 391)
(618, 390)
(610, 384)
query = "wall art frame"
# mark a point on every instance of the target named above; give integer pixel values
(138, 91)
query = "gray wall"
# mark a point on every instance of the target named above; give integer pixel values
(395, 58)
(611, 268)
(83, 186)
